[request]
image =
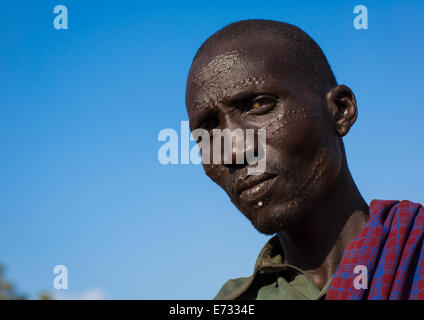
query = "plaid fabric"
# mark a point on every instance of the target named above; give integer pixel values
(391, 247)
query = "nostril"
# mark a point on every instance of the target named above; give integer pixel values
(231, 161)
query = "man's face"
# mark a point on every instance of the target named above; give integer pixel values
(256, 83)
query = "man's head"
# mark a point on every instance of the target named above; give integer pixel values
(265, 74)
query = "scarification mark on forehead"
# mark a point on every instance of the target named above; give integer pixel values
(219, 66)
(216, 95)
(250, 81)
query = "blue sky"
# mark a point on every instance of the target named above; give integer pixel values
(80, 113)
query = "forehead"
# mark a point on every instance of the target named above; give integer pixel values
(236, 66)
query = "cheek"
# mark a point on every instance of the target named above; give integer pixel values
(324, 171)
(307, 148)
(299, 136)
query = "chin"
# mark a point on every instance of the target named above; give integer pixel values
(276, 217)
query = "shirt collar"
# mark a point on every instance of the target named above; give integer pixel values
(271, 260)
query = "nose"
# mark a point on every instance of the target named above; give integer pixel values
(238, 142)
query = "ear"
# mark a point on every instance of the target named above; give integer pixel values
(342, 105)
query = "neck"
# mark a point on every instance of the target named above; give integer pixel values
(318, 245)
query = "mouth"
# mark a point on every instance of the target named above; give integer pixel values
(256, 187)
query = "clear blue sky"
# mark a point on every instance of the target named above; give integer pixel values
(81, 109)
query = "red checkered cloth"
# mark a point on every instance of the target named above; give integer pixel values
(390, 246)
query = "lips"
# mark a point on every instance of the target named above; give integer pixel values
(255, 186)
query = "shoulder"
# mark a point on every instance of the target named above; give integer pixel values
(231, 288)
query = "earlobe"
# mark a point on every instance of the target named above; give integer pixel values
(342, 106)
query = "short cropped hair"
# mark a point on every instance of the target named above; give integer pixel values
(313, 60)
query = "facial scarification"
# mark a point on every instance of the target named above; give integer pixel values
(286, 118)
(217, 93)
(297, 201)
(216, 80)
(268, 75)
(302, 152)
(216, 69)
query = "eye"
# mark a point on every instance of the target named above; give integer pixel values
(209, 125)
(260, 105)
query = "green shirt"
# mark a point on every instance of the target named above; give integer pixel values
(272, 279)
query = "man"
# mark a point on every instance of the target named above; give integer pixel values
(260, 74)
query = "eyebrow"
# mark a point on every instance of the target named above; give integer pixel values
(241, 90)
(204, 106)
(238, 97)
(203, 110)
(245, 83)
(200, 106)
(223, 96)
(200, 121)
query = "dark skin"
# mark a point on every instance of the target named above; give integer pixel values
(307, 195)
